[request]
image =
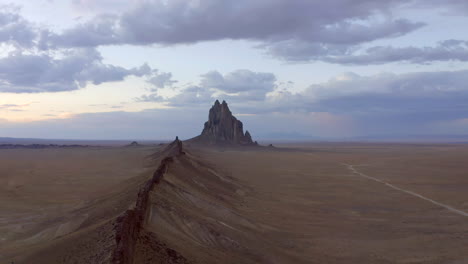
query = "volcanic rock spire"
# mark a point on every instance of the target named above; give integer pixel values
(222, 128)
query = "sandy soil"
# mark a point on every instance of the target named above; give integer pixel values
(48, 194)
(312, 208)
(307, 204)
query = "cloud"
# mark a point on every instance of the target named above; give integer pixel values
(34, 66)
(345, 106)
(179, 21)
(387, 103)
(382, 103)
(34, 73)
(99, 6)
(174, 22)
(99, 31)
(297, 30)
(451, 7)
(411, 85)
(350, 93)
(161, 79)
(187, 97)
(14, 29)
(13, 107)
(240, 85)
(341, 39)
(449, 50)
(417, 97)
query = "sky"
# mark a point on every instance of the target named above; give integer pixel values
(289, 69)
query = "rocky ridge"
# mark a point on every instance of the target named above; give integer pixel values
(129, 226)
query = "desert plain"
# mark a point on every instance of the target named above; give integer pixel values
(291, 203)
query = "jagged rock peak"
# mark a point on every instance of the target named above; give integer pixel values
(223, 128)
(174, 148)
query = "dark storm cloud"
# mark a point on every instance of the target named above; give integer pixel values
(34, 73)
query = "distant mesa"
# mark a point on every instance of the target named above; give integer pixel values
(39, 146)
(222, 128)
(134, 144)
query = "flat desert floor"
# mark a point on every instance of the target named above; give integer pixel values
(307, 203)
(53, 192)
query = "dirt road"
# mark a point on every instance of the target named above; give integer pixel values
(448, 207)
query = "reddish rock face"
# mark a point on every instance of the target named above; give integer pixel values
(223, 128)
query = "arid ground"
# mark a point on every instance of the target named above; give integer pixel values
(296, 203)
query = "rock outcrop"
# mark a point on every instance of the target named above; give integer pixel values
(222, 128)
(134, 144)
(129, 226)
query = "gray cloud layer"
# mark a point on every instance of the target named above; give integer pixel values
(449, 50)
(424, 95)
(14, 29)
(380, 103)
(34, 73)
(171, 22)
(293, 30)
(348, 105)
(240, 85)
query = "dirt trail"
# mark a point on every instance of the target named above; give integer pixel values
(448, 207)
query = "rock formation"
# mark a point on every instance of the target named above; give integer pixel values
(129, 227)
(222, 128)
(134, 144)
